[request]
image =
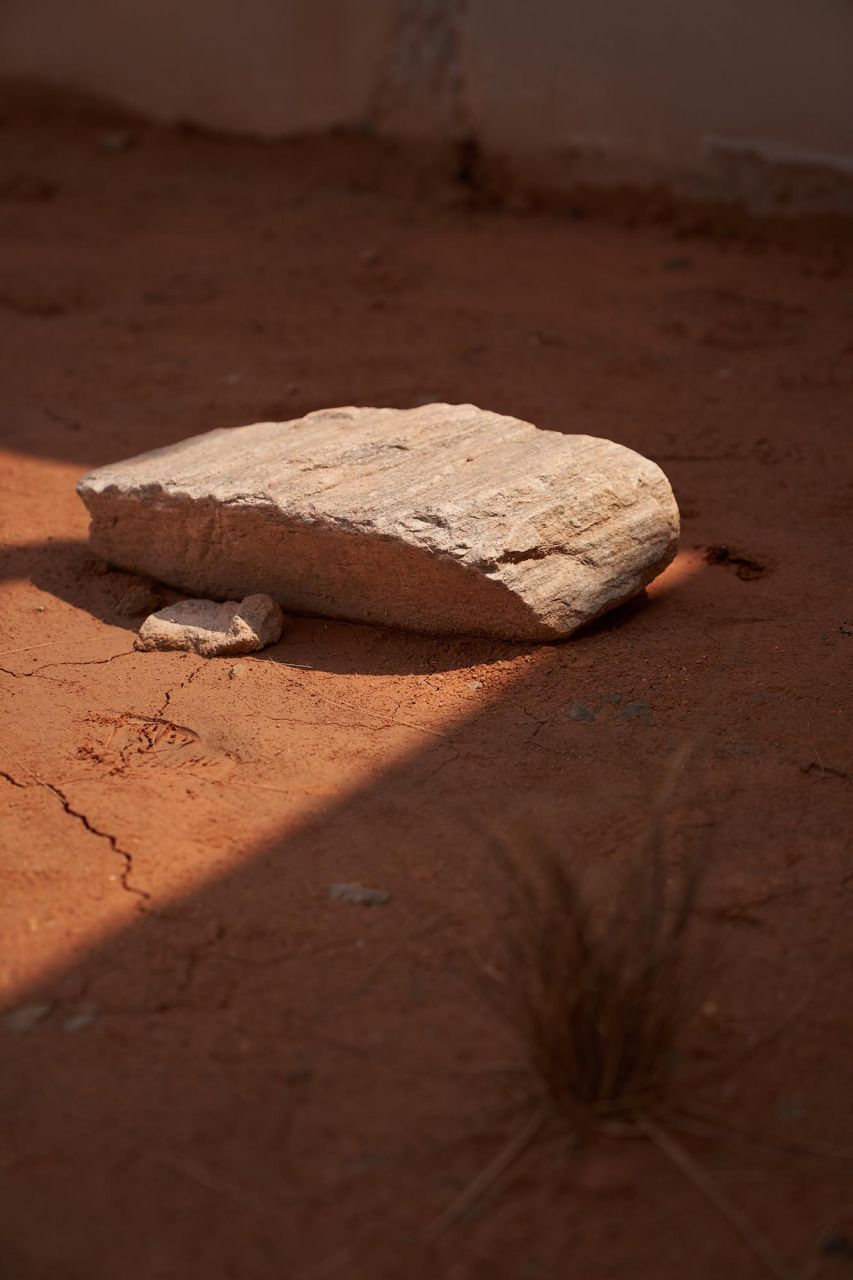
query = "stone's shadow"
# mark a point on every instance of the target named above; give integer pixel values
(67, 569)
(355, 648)
(362, 649)
(614, 618)
(274, 1078)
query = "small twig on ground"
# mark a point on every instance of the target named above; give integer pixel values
(711, 1119)
(393, 951)
(485, 1179)
(45, 644)
(195, 1172)
(713, 1192)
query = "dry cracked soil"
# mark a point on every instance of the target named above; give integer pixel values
(213, 1065)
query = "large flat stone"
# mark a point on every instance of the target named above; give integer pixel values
(444, 518)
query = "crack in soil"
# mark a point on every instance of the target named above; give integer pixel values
(540, 725)
(449, 760)
(125, 854)
(14, 781)
(195, 955)
(91, 662)
(170, 693)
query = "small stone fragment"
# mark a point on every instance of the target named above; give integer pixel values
(211, 629)
(26, 1017)
(636, 711)
(138, 598)
(359, 895)
(237, 672)
(446, 519)
(82, 1018)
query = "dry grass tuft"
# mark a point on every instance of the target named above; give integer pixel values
(598, 995)
(599, 987)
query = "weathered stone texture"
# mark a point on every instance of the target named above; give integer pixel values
(444, 518)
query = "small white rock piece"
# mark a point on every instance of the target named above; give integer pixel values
(211, 629)
(446, 519)
(359, 895)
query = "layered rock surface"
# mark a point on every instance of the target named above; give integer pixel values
(443, 518)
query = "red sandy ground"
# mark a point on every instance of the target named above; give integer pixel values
(209, 1067)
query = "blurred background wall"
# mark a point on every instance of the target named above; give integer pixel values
(734, 97)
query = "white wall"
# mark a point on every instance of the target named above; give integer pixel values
(265, 66)
(724, 91)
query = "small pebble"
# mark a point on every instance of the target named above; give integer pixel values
(475, 684)
(27, 1017)
(637, 711)
(359, 895)
(79, 1020)
(238, 671)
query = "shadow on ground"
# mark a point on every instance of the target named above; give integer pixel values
(284, 1082)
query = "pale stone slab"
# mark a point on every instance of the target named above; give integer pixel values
(443, 518)
(213, 630)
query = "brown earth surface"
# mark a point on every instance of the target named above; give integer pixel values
(212, 1067)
